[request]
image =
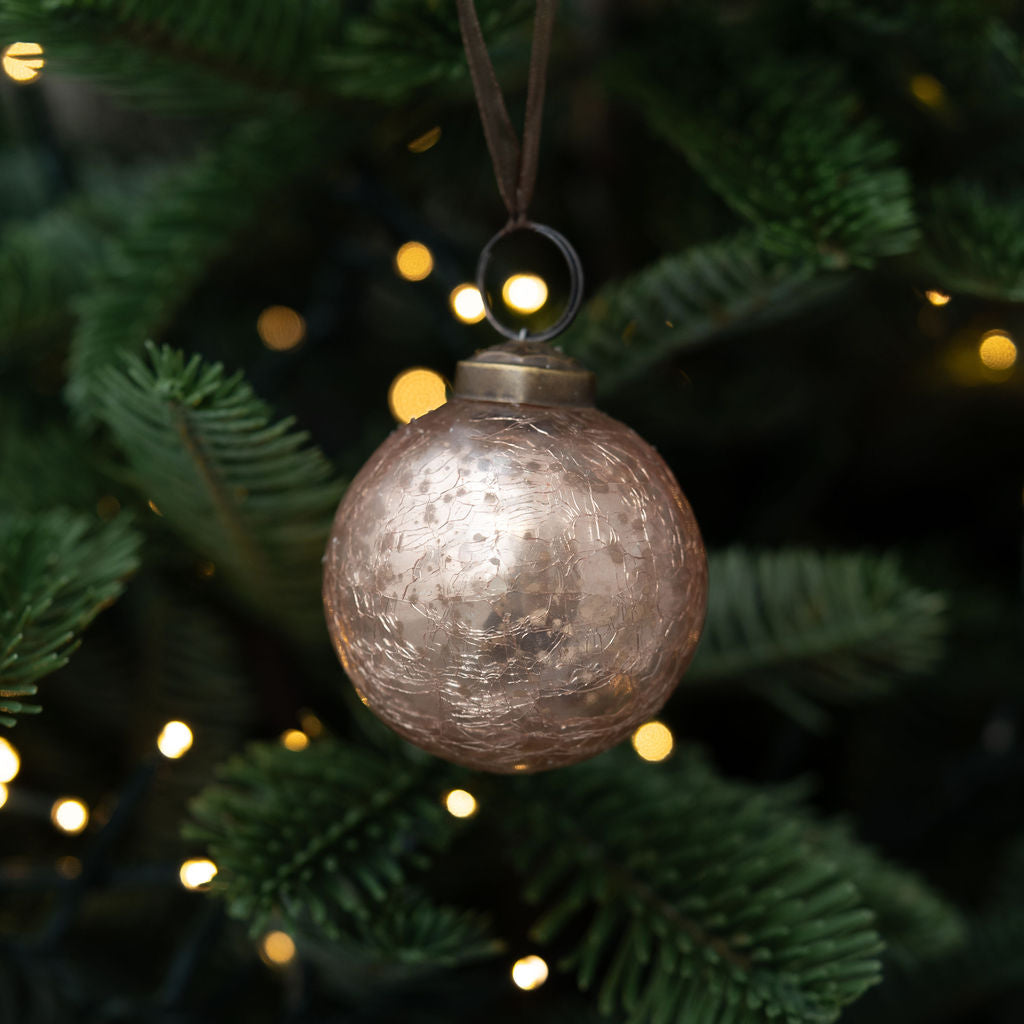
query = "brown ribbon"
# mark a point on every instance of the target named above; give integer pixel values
(515, 167)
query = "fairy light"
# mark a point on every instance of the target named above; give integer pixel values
(997, 350)
(525, 293)
(23, 62)
(311, 725)
(927, 89)
(529, 972)
(426, 141)
(653, 741)
(460, 803)
(10, 761)
(280, 328)
(69, 815)
(413, 261)
(294, 739)
(175, 740)
(4, 794)
(154, 508)
(467, 303)
(277, 949)
(936, 298)
(197, 872)
(414, 393)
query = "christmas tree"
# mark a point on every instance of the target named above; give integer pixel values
(227, 230)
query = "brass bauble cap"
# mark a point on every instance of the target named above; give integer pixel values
(526, 373)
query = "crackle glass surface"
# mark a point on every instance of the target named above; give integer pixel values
(514, 587)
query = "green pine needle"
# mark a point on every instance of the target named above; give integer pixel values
(724, 913)
(327, 840)
(248, 493)
(837, 627)
(58, 570)
(689, 299)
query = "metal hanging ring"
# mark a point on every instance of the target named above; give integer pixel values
(572, 261)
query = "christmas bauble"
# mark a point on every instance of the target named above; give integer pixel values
(515, 580)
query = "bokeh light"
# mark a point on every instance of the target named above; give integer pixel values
(280, 328)
(69, 867)
(997, 350)
(10, 760)
(525, 293)
(467, 303)
(426, 141)
(4, 794)
(175, 740)
(460, 803)
(653, 741)
(415, 392)
(311, 725)
(107, 507)
(529, 972)
(69, 814)
(23, 62)
(197, 872)
(294, 739)
(927, 89)
(277, 949)
(413, 261)
(936, 298)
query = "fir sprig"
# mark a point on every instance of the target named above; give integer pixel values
(837, 627)
(723, 913)
(58, 570)
(248, 493)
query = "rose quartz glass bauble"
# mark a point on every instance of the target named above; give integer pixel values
(513, 586)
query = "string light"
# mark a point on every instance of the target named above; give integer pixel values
(311, 725)
(153, 508)
(927, 89)
(10, 761)
(23, 62)
(4, 794)
(467, 303)
(653, 741)
(280, 328)
(197, 872)
(294, 739)
(997, 350)
(529, 972)
(69, 867)
(107, 507)
(413, 261)
(425, 141)
(175, 740)
(525, 293)
(460, 803)
(69, 815)
(277, 949)
(936, 298)
(414, 393)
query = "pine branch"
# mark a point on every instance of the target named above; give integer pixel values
(787, 147)
(957, 986)
(222, 57)
(247, 493)
(325, 841)
(401, 46)
(723, 913)
(973, 242)
(169, 244)
(916, 923)
(688, 299)
(58, 570)
(837, 627)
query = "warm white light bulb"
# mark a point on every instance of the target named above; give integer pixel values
(525, 293)
(175, 740)
(69, 815)
(197, 872)
(529, 972)
(460, 803)
(10, 761)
